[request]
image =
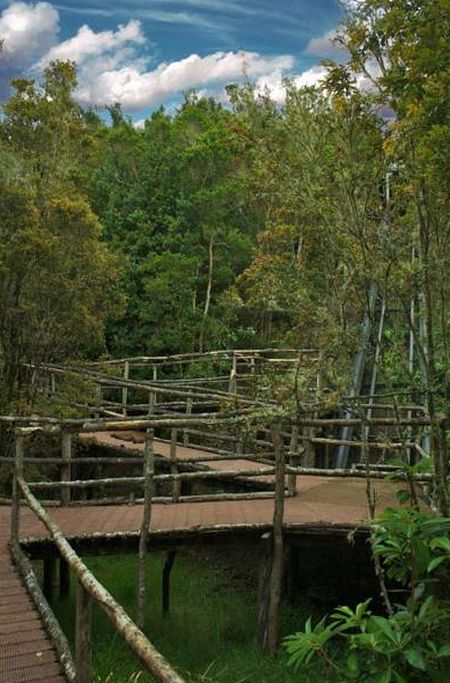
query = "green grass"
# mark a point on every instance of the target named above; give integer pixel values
(209, 635)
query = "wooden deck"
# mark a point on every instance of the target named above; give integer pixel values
(26, 653)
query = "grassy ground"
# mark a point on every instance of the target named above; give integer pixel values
(209, 635)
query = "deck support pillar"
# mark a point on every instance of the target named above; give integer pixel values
(49, 578)
(83, 632)
(64, 578)
(167, 569)
(265, 568)
(290, 574)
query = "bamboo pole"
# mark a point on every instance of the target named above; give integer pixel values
(149, 470)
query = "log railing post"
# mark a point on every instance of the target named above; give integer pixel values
(155, 379)
(232, 384)
(83, 632)
(293, 461)
(18, 473)
(126, 376)
(98, 399)
(66, 445)
(149, 470)
(309, 455)
(176, 490)
(239, 444)
(188, 413)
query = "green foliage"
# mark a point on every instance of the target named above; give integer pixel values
(171, 200)
(57, 277)
(411, 644)
(208, 634)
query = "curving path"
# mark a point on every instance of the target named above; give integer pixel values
(26, 653)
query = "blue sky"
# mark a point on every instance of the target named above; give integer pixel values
(146, 52)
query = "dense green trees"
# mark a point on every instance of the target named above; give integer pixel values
(239, 225)
(172, 203)
(56, 275)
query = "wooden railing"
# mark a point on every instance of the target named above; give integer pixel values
(282, 465)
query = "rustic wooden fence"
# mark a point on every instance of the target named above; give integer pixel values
(218, 416)
(282, 465)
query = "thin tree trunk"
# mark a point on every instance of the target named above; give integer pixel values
(208, 292)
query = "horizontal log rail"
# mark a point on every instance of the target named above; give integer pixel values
(180, 476)
(198, 356)
(141, 646)
(224, 474)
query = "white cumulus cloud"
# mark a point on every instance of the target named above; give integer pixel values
(115, 65)
(112, 70)
(26, 31)
(273, 84)
(87, 44)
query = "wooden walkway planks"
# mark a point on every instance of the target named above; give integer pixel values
(320, 501)
(26, 653)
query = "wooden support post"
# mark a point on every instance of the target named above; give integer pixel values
(155, 379)
(48, 581)
(151, 402)
(149, 470)
(65, 467)
(168, 564)
(309, 457)
(83, 631)
(293, 461)
(265, 568)
(291, 573)
(18, 472)
(188, 413)
(239, 444)
(176, 489)
(64, 578)
(276, 576)
(232, 384)
(98, 399)
(126, 375)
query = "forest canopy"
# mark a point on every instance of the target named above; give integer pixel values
(237, 225)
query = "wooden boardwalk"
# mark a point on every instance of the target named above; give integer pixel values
(26, 653)
(132, 443)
